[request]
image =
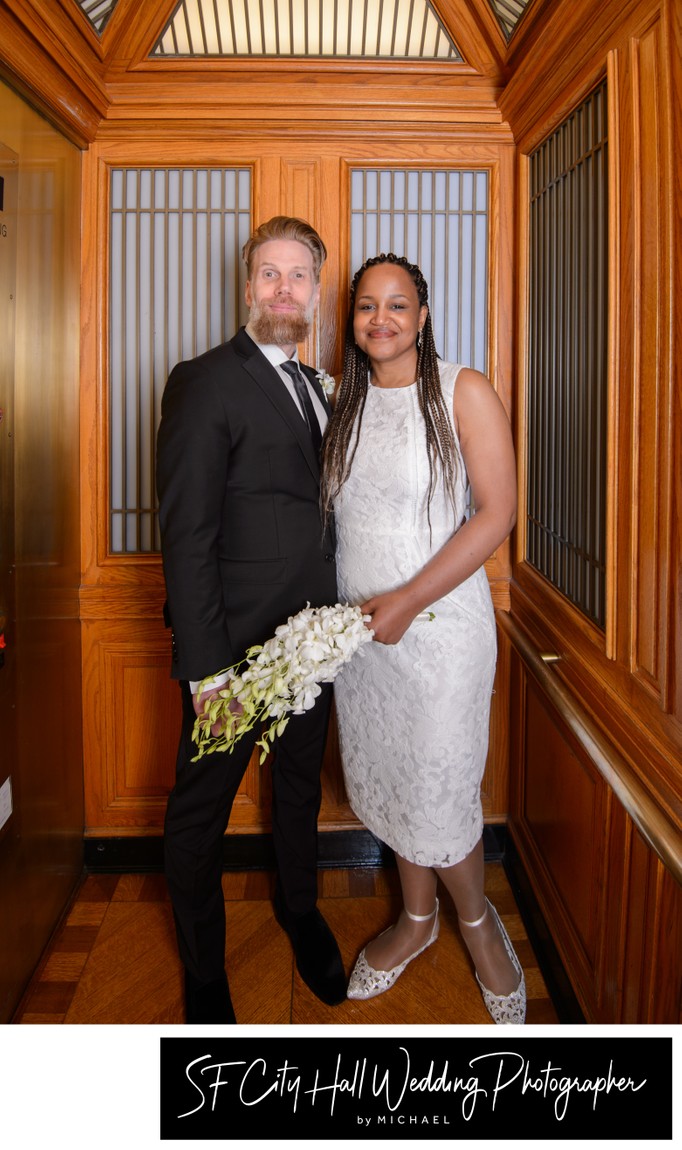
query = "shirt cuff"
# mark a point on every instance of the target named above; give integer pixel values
(210, 684)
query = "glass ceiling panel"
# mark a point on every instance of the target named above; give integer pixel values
(508, 13)
(369, 29)
(97, 11)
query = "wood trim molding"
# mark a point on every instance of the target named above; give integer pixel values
(652, 585)
(559, 57)
(477, 34)
(47, 69)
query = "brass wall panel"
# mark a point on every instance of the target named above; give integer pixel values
(9, 171)
(41, 848)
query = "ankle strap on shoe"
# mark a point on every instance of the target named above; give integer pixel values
(477, 921)
(421, 917)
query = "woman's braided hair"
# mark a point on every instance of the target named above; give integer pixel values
(337, 452)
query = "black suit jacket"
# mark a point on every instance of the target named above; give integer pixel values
(238, 482)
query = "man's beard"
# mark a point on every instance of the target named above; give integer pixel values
(280, 329)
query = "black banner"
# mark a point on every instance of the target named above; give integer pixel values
(416, 1088)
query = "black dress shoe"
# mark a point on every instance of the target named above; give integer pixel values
(208, 1002)
(318, 959)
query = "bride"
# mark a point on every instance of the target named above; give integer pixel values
(408, 436)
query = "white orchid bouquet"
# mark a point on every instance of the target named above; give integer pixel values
(280, 678)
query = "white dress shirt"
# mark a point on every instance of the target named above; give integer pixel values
(276, 357)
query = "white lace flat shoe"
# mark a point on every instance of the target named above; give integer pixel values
(504, 1009)
(366, 982)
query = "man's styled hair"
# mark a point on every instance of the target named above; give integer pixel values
(286, 228)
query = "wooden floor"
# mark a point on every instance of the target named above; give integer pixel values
(114, 959)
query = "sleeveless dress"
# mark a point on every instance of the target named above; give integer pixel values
(413, 717)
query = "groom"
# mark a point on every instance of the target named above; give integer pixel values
(243, 548)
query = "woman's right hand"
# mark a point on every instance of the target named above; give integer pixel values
(391, 615)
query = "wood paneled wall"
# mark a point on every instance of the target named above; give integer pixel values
(590, 773)
(600, 828)
(132, 720)
(299, 125)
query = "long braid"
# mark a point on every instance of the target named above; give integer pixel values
(337, 455)
(337, 451)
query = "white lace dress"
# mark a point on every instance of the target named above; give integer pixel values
(413, 718)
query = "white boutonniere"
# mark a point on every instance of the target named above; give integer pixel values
(327, 382)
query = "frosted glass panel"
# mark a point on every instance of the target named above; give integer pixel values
(176, 289)
(392, 29)
(438, 220)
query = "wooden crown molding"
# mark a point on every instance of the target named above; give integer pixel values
(51, 53)
(44, 61)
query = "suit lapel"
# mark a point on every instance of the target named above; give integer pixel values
(311, 375)
(265, 376)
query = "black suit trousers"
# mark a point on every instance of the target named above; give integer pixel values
(197, 815)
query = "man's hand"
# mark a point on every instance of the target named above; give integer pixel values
(206, 697)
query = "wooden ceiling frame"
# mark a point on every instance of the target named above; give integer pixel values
(478, 35)
(55, 39)
(49, 54)
(133, 31)
(86, 83)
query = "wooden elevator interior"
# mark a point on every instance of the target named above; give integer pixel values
(583, 785)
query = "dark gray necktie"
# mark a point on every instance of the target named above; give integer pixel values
(292, 370)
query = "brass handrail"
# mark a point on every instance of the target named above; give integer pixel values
(650, 821)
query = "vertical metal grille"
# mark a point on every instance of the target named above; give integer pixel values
(438, 220)
(567, 357)
(508, 13)
(98, 12)
(356, 28)
(176, 289)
